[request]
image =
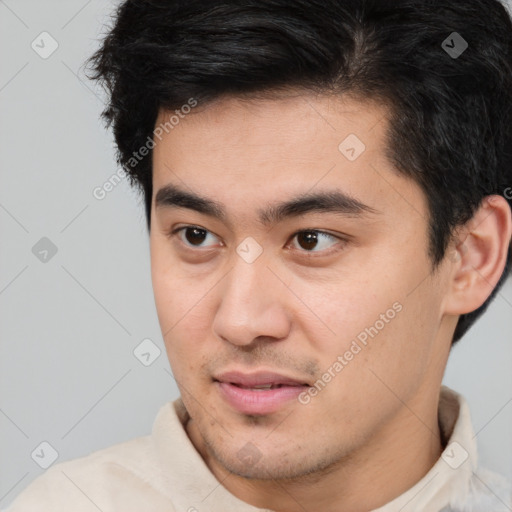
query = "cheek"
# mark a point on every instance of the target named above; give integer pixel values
(398, 346)
(185, 318)
(368, 374)
(335, 312)
(374, 323)
(177, 293)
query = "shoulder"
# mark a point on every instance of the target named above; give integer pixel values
(487, 491)
(115, 478)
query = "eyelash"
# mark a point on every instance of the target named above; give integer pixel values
(343, 240)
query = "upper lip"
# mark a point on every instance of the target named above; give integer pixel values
(260, 378)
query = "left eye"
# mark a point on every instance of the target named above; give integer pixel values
(307, 239)
(312, 237)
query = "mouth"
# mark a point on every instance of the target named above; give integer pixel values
(258, 393)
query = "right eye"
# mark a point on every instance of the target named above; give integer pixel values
(190, 236)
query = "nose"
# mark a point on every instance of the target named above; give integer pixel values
(252, 304)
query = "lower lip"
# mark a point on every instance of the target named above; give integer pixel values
(249, 401)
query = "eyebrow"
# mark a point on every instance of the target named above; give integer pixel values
(331, 201)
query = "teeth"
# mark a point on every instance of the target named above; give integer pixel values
(262, 387)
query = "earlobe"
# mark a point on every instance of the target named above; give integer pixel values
(479, 256)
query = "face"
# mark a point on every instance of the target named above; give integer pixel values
(332, 302)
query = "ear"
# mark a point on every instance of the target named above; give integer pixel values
(478, 256)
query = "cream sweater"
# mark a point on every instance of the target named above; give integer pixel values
(163, 472)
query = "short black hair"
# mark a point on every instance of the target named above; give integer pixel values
(450, 128)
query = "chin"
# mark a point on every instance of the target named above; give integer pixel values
(265, 471)
(251, 463)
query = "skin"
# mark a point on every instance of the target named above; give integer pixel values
(295, 309)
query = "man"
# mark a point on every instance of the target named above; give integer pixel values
(327, 190)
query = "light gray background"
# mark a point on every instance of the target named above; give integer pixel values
(69, 326)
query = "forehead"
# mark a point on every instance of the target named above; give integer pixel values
(293, 132)
(283, 121)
